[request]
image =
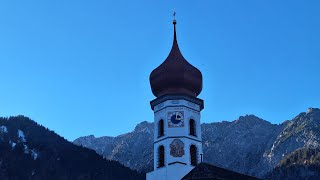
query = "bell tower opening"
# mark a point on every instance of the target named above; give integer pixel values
(193, 155)
(192, 129)
(160, 128)
(161, 156)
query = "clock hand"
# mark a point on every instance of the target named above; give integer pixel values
(177, 117)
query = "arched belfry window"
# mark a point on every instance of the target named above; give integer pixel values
(193, 155)
(160, 128)
(160, 156)
(192, 127)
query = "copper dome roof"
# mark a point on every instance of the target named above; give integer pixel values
(175, 75)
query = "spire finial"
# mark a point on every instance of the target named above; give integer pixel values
(174, 24)
(174, 17)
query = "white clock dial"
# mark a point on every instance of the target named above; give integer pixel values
(176, 119)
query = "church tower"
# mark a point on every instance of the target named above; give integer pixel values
(177, 131)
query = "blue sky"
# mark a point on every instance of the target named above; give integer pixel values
(82, 67)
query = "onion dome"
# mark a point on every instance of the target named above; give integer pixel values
(175, 75)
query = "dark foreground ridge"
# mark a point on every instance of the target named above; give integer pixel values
(31, 151)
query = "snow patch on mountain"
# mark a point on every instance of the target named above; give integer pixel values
(26, 149)
(3, 129)
(34, 154)
(21, 135)
(13, 144)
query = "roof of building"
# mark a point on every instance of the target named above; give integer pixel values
(175, 75)
(205, 171)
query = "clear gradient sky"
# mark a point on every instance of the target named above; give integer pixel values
(82, 67)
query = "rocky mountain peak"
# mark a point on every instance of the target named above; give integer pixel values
(250, 118)
(310, 114)
(309, 118)
(89, 137)
(250, 121)
(144, 127)
(313, 110)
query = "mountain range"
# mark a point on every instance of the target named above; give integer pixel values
(249, 145)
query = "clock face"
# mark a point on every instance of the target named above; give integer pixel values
(175, 119)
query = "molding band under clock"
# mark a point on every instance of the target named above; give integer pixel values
(177, 106)
(177, 162)
(176, 137)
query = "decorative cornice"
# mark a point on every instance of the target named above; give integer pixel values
(176, 106)
(161, 99)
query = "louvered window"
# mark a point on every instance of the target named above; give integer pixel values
(160, 128)
(193, 155)
(160, 156)
(192, 127)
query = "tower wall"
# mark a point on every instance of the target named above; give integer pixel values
(176, 140)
